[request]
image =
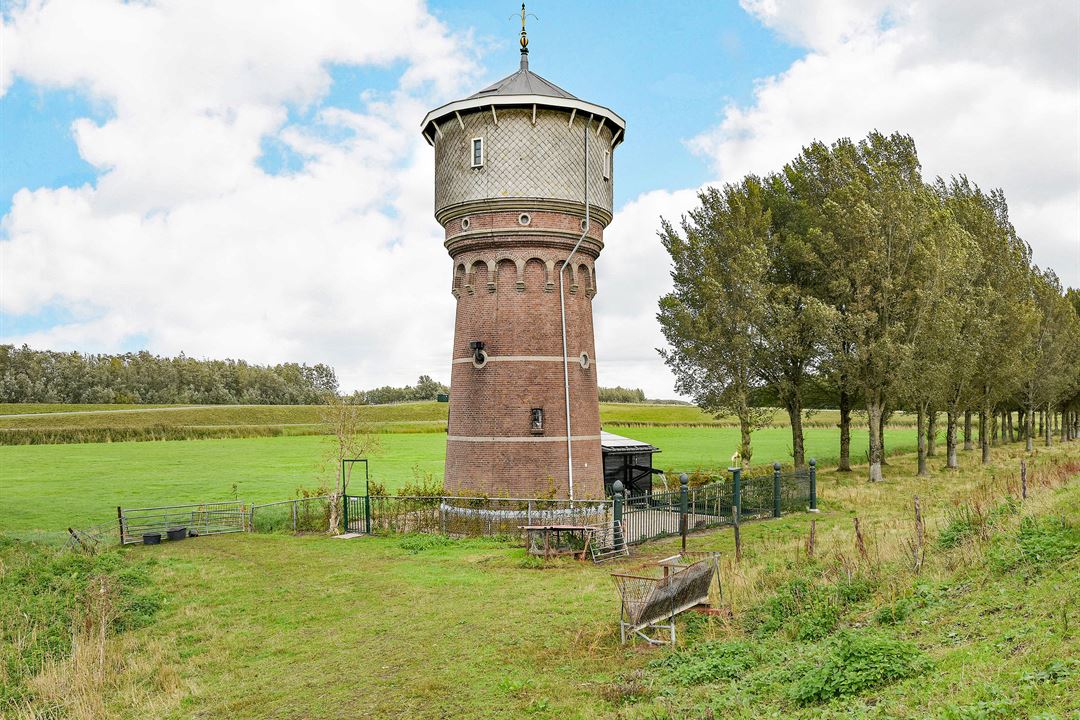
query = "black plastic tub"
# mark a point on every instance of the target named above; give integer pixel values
(178, 533)
(151, 539)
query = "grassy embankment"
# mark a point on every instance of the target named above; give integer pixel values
(47, 424)
(311, 627)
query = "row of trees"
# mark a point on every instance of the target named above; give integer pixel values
(620, 394)
(847, 279)
(425, 389)
(43, 376)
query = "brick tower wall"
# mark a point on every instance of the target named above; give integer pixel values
(505, 280)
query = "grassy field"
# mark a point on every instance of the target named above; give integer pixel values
(427, 627)
(48, 488)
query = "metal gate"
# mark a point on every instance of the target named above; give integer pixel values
(357, 514)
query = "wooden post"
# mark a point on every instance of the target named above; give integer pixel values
(860, 544)
(294, 517)
(810, 541)
(919, 536)
(1023, 479)
(120, 522)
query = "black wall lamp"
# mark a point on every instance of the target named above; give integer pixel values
(479, 356)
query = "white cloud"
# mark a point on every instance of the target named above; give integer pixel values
(632, 273)
(184, 240)
(989, 89)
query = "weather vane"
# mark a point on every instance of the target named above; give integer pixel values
(524, 35)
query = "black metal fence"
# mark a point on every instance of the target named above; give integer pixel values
(307, 514)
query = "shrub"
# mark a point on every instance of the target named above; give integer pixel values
(856, 662)
(709, 662)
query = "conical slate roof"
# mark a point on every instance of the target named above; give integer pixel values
(523, 82)
(522, 89)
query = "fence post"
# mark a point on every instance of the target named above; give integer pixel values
(776, 489)
(684, 485)
(294, 517)
(736, 488)
(367, 502)
(813, 485)
(120, 522)
(616, 512)
(345, 509)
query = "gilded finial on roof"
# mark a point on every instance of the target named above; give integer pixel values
(525, 37)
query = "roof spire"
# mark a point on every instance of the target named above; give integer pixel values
(525, 38)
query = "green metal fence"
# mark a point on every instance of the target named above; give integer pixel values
(655, 515)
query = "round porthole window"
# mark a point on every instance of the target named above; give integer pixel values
(524, 219)
(465, 223)
(585, 360)
(480, 359)
(584, 225)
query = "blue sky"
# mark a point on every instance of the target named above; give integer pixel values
(668, 69)
(196, 172)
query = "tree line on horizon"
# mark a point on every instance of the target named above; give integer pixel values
(45, 376)
(846, 280)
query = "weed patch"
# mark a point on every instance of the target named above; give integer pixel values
(420, 543)
(856, 662)
(1038, 543)
(708, 662)
(43, 590)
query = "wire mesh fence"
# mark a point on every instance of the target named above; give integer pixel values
(480, 516)
(92, 538)
(309, 514)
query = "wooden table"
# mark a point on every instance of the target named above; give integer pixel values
(547, 531)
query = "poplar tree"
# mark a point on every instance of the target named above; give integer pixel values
(719, 263)
(882, 220)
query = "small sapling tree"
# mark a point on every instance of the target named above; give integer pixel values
(350, 437)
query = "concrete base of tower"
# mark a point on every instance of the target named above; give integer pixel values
(528, 467)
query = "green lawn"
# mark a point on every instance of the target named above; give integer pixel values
(47, 488)
(51, 487)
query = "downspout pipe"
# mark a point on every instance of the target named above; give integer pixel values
(562, 310)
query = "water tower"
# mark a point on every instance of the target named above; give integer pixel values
(523, 191)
